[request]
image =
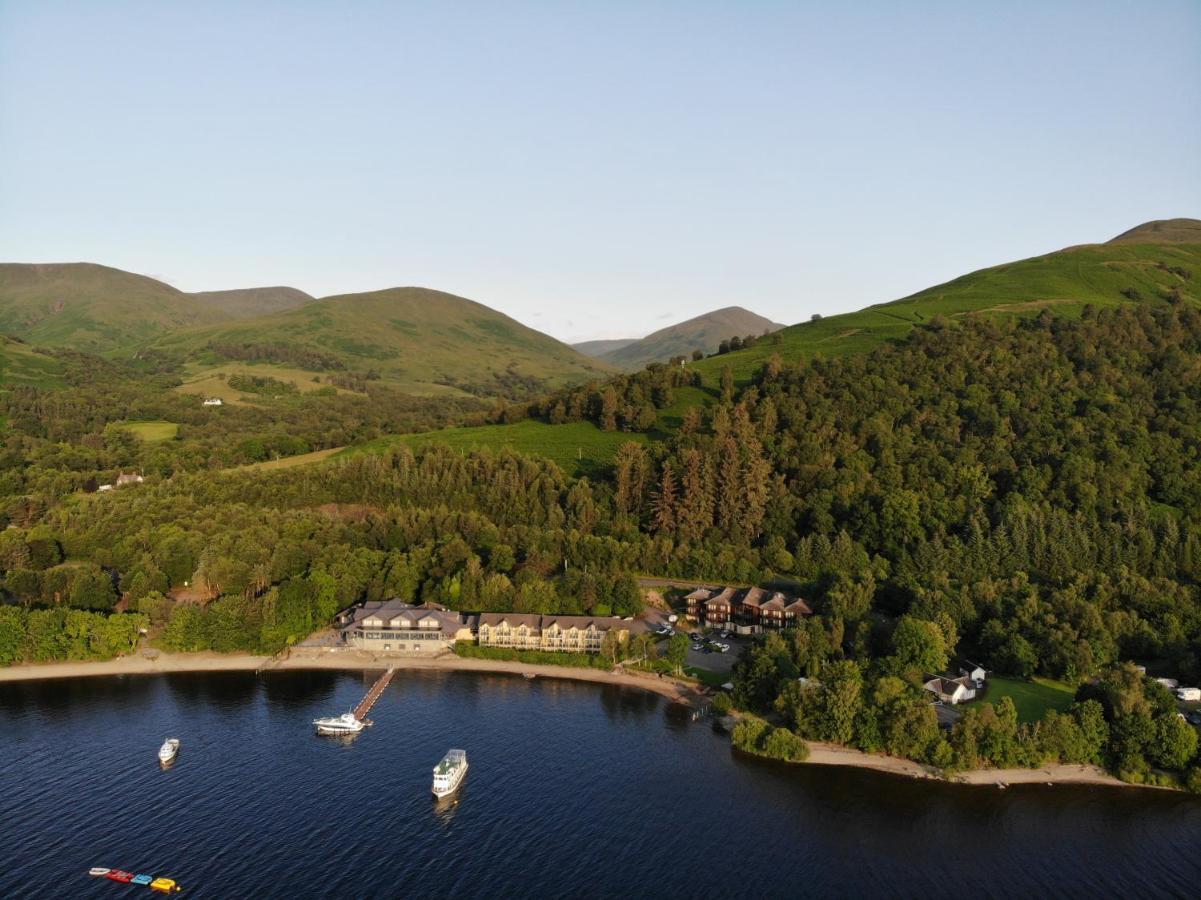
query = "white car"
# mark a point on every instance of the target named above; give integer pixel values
(696, 647)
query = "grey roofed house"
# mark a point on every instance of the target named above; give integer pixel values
(700, 594)
(797, 606)
(725, 598)
(514, 620)
(951, 690)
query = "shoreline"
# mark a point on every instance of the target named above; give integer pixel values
(352, 661)
(820, 754)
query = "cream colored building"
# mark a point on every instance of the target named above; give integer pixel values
(566, 634)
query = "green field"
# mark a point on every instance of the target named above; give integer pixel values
(152, 432)
(579, 448)
(1032, 698)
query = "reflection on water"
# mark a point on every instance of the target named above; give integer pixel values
(574, 790)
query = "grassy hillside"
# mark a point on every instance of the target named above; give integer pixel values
(704, 333)
(246, 302)
(21, 364)
(600, 348)
(100, 310)
(1122, 271)
(411, 336)
(1162, 231)
(578, 448)
(92, 308)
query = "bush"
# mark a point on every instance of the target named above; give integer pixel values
(722, 704)
(754, 735)
(471, 650)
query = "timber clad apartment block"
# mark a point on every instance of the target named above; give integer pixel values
(747, 611)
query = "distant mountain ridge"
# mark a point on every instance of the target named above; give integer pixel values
(704, 332)
(596, 349)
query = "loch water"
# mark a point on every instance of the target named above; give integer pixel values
(574, 790)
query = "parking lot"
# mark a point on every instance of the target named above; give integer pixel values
(714, 661)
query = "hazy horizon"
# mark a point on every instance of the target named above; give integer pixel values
(594, 173)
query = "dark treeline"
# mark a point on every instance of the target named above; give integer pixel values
(273, 352)
(625, 403)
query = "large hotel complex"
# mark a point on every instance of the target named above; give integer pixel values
(393, 626)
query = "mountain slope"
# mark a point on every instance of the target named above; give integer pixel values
(246, 302)
(597, 349)
(102, 310)
(91, 308)
(704, 333)
(409, 336)
(1128, 269)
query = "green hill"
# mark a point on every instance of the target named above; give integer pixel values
(1145, 264)
(101, 310)
(596, 349)
(419, 339)
(704, 333)
(245, 302)
(91, 308)
(1125, 271)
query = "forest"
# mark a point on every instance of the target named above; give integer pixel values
(1023, 491)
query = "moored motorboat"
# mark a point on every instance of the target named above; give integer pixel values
(97, 871)
(168, 751)
(119, 875)
(530, 676)
(449, 773)
(165, 886)
(141, 879)
(343, 724)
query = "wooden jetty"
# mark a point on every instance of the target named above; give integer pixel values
(377, 689)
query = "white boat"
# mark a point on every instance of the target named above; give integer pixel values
(98, 871)
(168, 751)
(343, 724)
(449, 773)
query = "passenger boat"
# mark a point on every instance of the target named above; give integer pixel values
(165, 886)
(449, 773)
(119, 875)
(168, 751)
(97, 871)
(141, 879)
(343, 724)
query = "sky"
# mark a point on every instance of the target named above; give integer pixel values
(592, 169)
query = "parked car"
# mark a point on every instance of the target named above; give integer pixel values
(696, 647)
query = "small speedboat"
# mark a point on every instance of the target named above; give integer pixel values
(343, 724)
(168, 751)
(529, 676)
(97, 871)
(119, 875)
(165, 886)
(141, 879)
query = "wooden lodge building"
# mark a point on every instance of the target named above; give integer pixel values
(745, 611)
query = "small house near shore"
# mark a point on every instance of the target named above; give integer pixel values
(951, 690)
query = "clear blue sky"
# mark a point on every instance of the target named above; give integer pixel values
(593, 169)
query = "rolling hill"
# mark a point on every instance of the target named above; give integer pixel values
(704, 333)
(101, 310)
(1145, 264)
(421, 340)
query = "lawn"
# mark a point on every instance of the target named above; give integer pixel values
(152, 432)
(287, 462)
(578, 448)
(1032, 698)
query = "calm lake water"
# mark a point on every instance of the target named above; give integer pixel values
(574, 790)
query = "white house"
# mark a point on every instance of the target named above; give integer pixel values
(1170, 683)
(975, 673)
(1188, 694)
(212, 401)
(952, 690)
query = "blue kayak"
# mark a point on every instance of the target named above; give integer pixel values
(141, 879)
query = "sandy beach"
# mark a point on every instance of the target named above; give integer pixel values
(219, 662)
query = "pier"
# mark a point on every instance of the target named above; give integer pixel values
(377, 689)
